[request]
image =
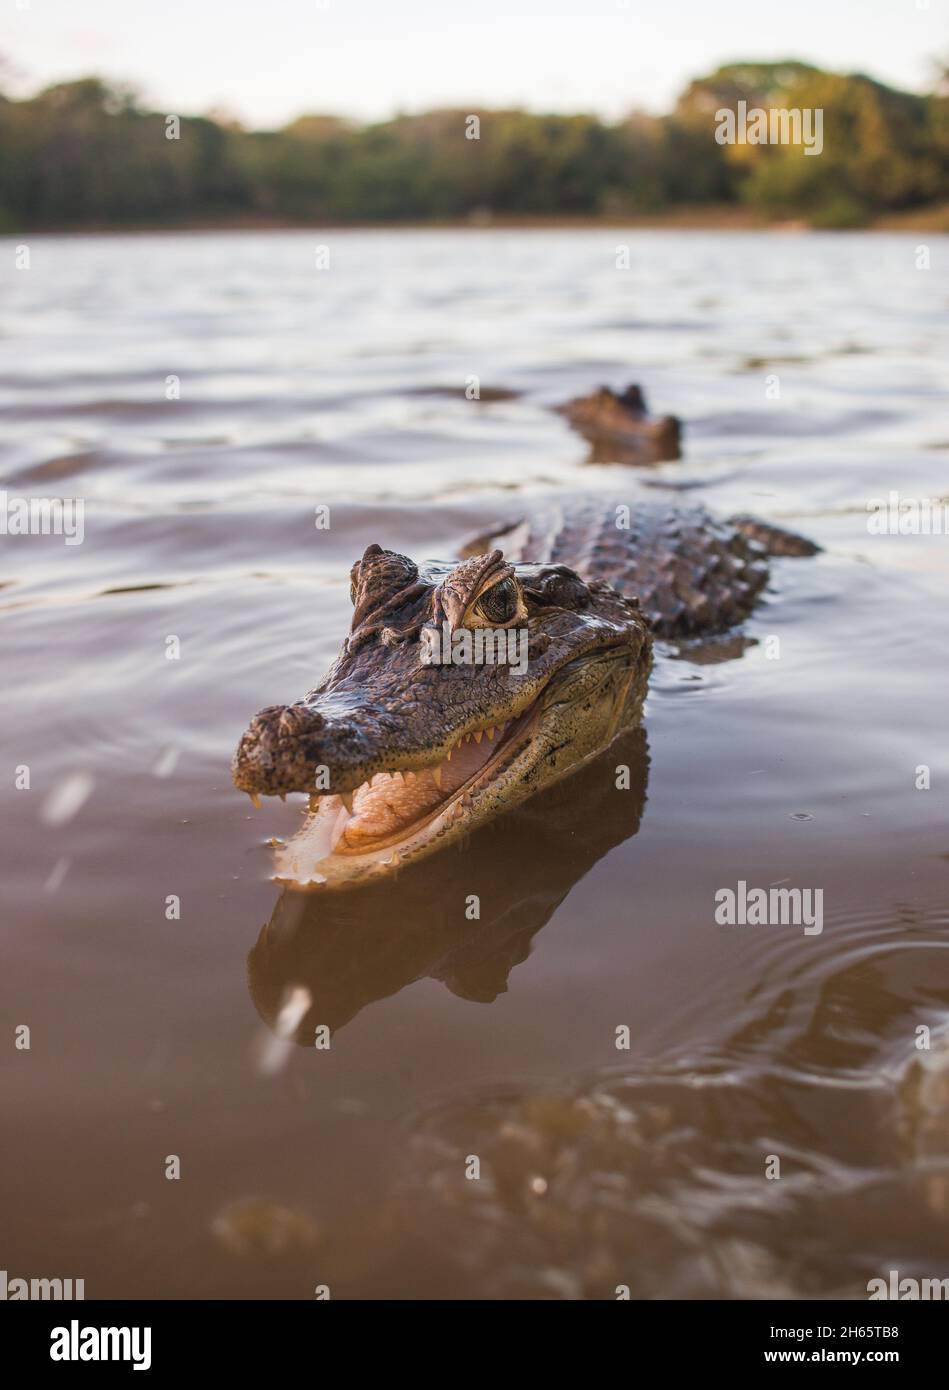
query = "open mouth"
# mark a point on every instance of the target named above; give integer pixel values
(398, 816)
(394, 811)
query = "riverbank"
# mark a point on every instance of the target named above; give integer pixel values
(698, 218)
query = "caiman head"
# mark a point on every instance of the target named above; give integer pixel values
(461, 691)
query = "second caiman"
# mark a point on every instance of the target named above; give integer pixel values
(402, 756)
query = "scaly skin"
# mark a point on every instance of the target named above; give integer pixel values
(692, 575)
(588, 582)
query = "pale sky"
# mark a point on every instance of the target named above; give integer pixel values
(270, 60)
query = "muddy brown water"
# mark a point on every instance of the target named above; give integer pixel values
(810, 371)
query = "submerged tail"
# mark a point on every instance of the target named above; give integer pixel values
(775, 539)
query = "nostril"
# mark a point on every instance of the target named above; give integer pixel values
(295, 718)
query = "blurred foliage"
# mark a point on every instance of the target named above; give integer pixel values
(85, 154)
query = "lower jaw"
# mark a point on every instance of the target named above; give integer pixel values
(301, 864)
(304, 863)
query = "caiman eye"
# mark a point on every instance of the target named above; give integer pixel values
(499, 604)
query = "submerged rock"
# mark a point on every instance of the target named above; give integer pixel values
(254, 1226)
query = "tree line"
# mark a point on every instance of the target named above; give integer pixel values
(88, 154)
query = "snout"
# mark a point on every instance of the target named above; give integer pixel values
(279, 751)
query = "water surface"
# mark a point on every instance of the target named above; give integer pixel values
(810, 373)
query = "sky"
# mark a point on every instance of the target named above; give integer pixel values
(267, 61)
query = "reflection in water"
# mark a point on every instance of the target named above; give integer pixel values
(351, 948)
(632, 453)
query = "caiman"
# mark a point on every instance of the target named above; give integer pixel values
(401, 756)
(618, 425)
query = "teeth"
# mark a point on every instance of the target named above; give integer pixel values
(437, 777)
(448, 756)
(313, 803)
(489, 733)
(477, 735)
(409, 778)
(282, 795)
(347, 799)
(397, 777)
(255, 800)
(338, 831)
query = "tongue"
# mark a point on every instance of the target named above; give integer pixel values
(389, 802)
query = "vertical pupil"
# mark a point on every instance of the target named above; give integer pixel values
(500, 600)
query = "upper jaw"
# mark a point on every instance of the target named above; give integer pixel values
(297, 749)
(405, 717)
(341, 736)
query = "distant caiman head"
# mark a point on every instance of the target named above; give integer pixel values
(401, 755)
